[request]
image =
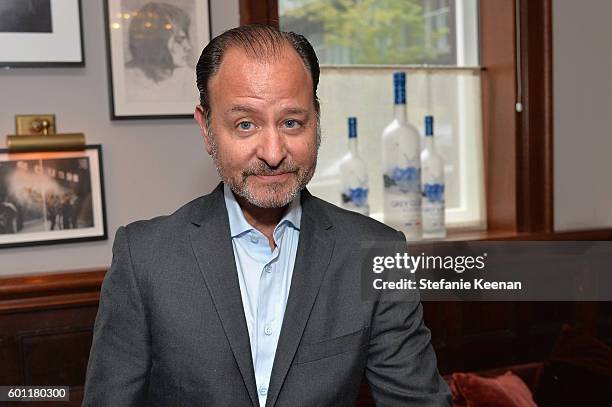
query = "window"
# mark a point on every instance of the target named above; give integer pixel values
(360, 43)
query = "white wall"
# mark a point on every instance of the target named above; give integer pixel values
(582, 113)
(151, 167)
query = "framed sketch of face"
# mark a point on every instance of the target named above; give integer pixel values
(51, 197)
(41, 33)
(153, 47)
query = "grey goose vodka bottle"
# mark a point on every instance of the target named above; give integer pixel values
(402, 168)
(433, 186)
(354, 175)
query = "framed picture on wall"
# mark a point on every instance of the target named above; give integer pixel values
(41, 33)
(51, 197)
(153, 48)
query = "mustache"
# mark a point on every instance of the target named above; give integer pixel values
(264, 169)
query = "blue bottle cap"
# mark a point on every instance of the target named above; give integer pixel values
(352, 125)
(429, 121)
(399, 88)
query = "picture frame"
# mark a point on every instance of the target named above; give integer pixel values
(41, 33)
(152, 51)
(52, 197)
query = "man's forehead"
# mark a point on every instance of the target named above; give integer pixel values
(240, 62)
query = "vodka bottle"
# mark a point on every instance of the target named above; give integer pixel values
(354, 175)
(402, 168)
(433, 186)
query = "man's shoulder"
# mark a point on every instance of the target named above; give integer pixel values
(355, 224)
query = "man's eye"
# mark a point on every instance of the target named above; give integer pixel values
(291, 124)
(245, 125)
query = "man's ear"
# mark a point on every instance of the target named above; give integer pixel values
(200, 116)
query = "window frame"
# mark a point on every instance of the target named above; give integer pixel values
(518, 147)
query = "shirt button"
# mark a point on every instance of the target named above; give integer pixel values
(268, 268)
(268, 330)
(254, 239)
(263, 390)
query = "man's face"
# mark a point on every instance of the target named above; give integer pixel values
(263, 133)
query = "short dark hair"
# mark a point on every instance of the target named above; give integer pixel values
(259, 41)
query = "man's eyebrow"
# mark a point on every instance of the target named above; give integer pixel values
(295, 110)
(241, 109)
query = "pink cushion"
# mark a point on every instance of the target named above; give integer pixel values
(507, 390)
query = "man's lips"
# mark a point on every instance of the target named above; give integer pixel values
(273, 178)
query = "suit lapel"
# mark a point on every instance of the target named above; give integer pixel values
(313, 256)
(211, 243)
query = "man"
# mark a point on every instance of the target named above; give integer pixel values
(251, 295)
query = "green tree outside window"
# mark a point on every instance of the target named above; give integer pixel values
(373, 31)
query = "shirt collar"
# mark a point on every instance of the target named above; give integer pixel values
(238, 223)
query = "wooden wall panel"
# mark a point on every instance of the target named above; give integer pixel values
(56, 356)
(11, 372)
(46, 325)
(49, 344)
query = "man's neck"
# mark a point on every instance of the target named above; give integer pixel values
(262, 219)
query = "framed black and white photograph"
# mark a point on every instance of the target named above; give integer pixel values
(51, 197)
(40, 33)
(153, 48)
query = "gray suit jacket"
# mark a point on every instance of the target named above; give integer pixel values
(171, 330)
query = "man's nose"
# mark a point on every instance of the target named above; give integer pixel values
(272, 148)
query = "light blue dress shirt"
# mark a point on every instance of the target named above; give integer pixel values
(265, 278)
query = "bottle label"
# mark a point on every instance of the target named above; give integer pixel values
(356, 199)
(405, 180)
(433, 207)
(434, 192)
(402, 193)
(403, 212)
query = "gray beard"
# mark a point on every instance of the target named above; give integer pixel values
(275, 197)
